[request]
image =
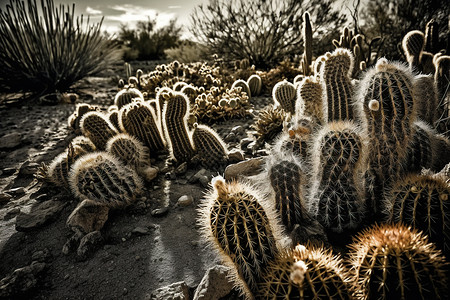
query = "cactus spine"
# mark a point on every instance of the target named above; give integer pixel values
(210, 148)
(97, 128)
(335, 76)
(305, 273)
(242, 229)
(388, 106)
(101, 177)
(422, 202)
(394, 262)
(126, 96)
(175, 116)
(337, 193)
(309, 100)
(288, 182)
(254, 83)
(284, 94)
(139, 120)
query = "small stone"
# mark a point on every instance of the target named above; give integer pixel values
(89, 243)
(41, 255)
(175, 291)
(235, 156)
(215, 284)
(140, 230)
(194, 178)
(11, 214)
(230, 138)
(22, 280)
(149, 173)
(16, 191)
(28, 168)
(87, 217)
(181, 169)
(8, 171)
(238, 130)
(251, 147)
(4, 198)
(204, 181)
(185, 200)
(245, 168)
(245, 142)
(10, 141)
(40, 215)
(41, 197)
(160, 212)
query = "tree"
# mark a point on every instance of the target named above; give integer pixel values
(264, 31)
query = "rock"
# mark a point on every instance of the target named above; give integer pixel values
(160, 212)
(230, 138)
(214, 285)
(181, 169)
(185, 200)
(245, 142)
(28, 168)
(235, 156)
(245, 168)
(11, 140)
(175, 291)
(251, 147)
(89, 243)
(72, 243)
(140, 230)
(9, 171)
(195, 178)
(238, 130)
(16, 191)
(41, 255)
(11, 214)
(40, 215)
(204, 181)
(4, 198)
(21, 281)
(87, 217)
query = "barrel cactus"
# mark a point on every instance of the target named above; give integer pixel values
(97, 127)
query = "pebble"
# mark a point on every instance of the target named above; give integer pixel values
(11, 140)
(185, 200)
(245, 168)
(16, 191)
(4, 198)
(181, 169)
(28, 168)
(8, 171)
(238, 130)
(11, 214)
(160, 212)
(140, 230)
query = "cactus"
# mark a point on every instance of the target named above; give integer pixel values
(421, 201)
(128, 150)
(254, 83)
(113, 117)
(345, 39)
(126, 96)
(442, 80)
(427, 98)
(284, 94)
(210, 148)
(288, 181)
(242, 229)
(305, 273)
(191, 92)
(80, 110)
(432, 37)
(101, 177)
(243, 85)
(295, 139)
(82, 144)
(394, 262)
(309, 100)
(175, 115)
(338, 190)
(97, 128)
(178, 86)
(269, 123)
(412, 44)
(335, 77)
(139, 120)
(307, 44)
(387, 104)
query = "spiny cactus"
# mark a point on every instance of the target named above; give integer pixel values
(338, 189)
(254, 83)
(97, 128)
(210, 148)
(138, 119)
(309, 99)
(243, 85)
(242, 229)
(289, 181)
(127, 96)
(305, 273)
(412, 44)
(386, 102)
(177, 87)
(284, 94)
(421, 201)
(269, 123)
(295, 138)
(427, 98)
(80, 110)
(442, 79)
(394, 262)
(101, 177)
(113, 117)
(432, 37)
(307, 45)
(335, 77)
(191, 92)
(175, 115)
(82, 144)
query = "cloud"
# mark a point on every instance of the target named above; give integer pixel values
(129, 14)
(92, 11)
(174, 6)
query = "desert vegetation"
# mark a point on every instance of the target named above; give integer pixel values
(335, 185)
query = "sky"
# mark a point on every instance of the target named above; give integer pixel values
(129, 12)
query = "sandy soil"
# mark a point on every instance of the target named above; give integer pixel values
(140, 252)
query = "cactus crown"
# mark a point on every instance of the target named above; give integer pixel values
(127, 96)
(284, 94)
(413, 43)
(97, 128)
(309, 99)
(210, 147)
(129, 150)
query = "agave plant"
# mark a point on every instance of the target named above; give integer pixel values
(46, 49)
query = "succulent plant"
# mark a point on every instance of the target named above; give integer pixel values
(307, 45)
(175, 115)
(178, 86)
(101, 177)
(243, 85)
(421, 201)
(191, 92)
(427, 98)
(82, 144)
(284, 94)
(209, 146)
(412, 44)
(305, 273)
(387, 105)
(335, 77)
(309, 99)
(337, 195)
(394, 262)
(269, 123)
(254, 83)
(442, 79)
(295, 138)
(241, 227)
(75, 118)
(139, 120)
(97, 128)
(126, 96)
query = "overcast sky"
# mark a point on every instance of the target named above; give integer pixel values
(129, 12)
